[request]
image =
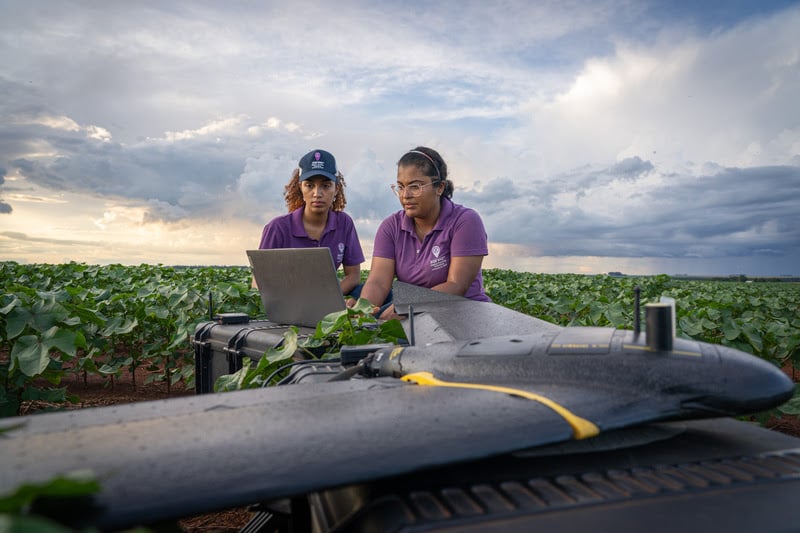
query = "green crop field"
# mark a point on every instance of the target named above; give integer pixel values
(105, 320)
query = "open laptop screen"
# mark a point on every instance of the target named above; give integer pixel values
(298, 285)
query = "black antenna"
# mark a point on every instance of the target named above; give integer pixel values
(637, 326)
(411, 324)
(210, 307)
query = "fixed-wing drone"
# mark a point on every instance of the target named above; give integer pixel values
(489, 418)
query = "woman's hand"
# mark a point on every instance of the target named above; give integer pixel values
(388, 313)
(351, 302)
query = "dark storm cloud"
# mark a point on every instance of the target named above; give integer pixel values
(144, 171)
(728, 212)
(176, 178)
(493, 194)
(630, 169)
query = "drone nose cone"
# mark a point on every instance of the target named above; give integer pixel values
(754, 384)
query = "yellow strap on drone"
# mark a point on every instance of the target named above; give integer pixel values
(581, 428)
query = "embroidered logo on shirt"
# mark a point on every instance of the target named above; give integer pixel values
(341, 247)
(437, 263)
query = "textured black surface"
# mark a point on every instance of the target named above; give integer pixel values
(718, 475)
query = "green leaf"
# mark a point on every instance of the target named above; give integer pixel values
(111, 369)
(119, 326)
(230, 382)
(64, 340)
(286, 349)
(333, 322)
(392, 330)
(30, 355)
(753, 337)
(792, 407)
(9, 406)
(16, 321)
(731, 331)
(88, 316)
(46, 395)
(311, 342)
(690, 327)
(31, 352)
(73, 484)
(363, 306)
(31, 523)
(6, 309)
(47, 313)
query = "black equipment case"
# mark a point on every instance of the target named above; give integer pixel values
(221, 345)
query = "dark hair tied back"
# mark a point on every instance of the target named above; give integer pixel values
(430, 163)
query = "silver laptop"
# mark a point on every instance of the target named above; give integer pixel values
(298, 286)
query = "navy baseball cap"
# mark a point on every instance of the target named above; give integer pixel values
(318, 163)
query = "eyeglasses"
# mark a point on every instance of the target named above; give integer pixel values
(413, 190)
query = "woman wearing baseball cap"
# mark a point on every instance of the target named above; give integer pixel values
(315, 199)
(431, 242)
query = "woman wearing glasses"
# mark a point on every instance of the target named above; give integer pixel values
(432, 242)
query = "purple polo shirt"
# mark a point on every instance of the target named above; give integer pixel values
(458, 232)
(287, 231)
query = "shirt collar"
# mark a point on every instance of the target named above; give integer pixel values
(407, 223)
(299, 230)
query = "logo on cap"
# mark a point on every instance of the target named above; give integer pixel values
(318, 162)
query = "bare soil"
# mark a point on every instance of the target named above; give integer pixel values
(96, 391)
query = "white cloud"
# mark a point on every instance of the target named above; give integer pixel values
(98, 133)
(223, 126)
(55, 122)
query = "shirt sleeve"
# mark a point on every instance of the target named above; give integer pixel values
(385, 238)
(272, 236)
(469, 235)
(353, 255)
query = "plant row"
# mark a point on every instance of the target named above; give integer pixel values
(104, 320)
(74, 318)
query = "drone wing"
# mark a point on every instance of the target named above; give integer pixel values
(183, 456)
(434, 316)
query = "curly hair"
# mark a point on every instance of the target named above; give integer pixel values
(417, 158)
(294, 196)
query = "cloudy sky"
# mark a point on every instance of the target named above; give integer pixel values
(598, 135)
